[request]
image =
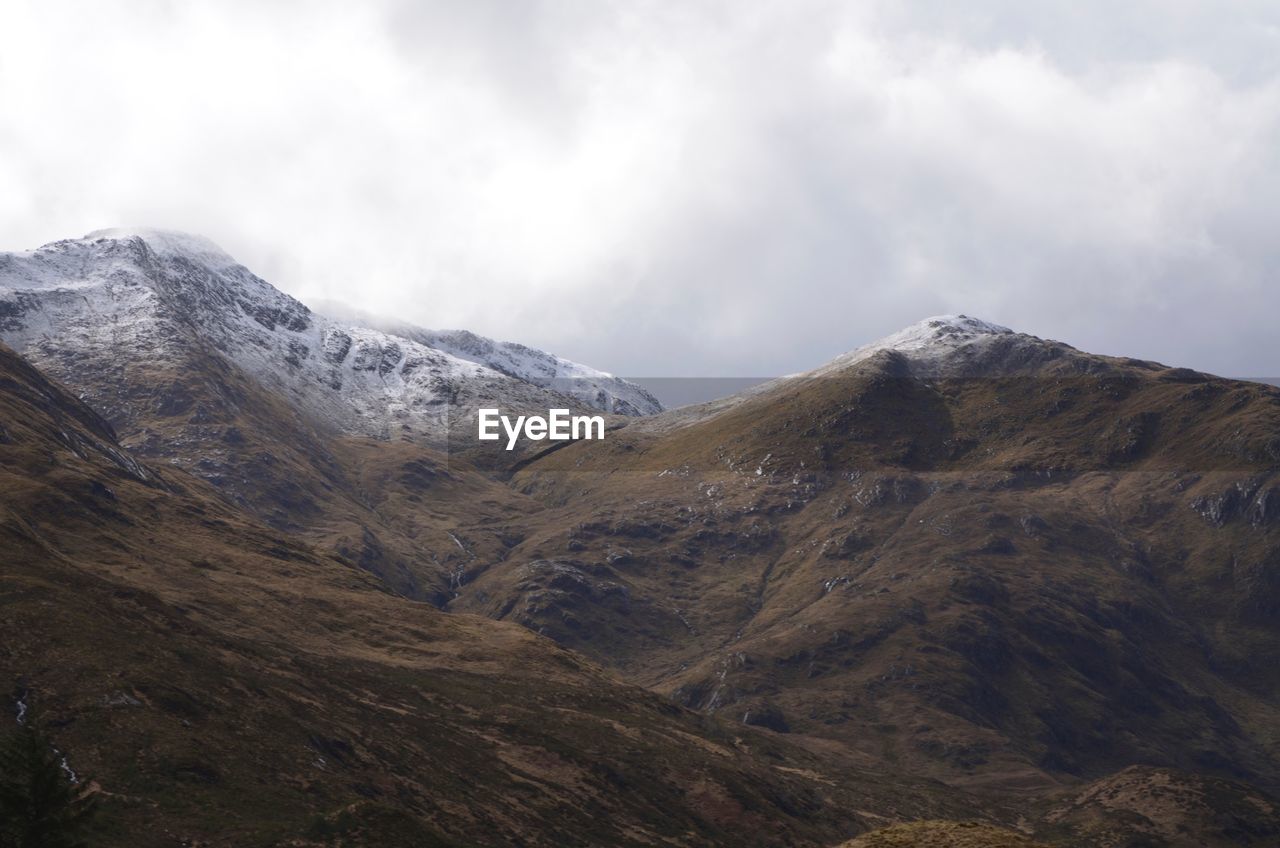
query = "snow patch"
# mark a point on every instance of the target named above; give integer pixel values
(930, 345)
(589, 386)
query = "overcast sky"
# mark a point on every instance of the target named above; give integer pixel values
(688, 188)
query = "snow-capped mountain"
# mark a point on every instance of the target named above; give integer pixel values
(935, 335)
(139, 299)
(940, 346)
(956, 345)
(594, 388)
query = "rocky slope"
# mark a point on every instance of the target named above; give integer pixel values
(197, 362)
(969, 552)
(217, 683)
(1158, 806)
(961, 553)
(943, 834)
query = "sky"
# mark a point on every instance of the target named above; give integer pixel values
(683, 189)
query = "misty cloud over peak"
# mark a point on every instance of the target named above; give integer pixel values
(683, 189)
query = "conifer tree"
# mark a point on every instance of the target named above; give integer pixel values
(40, 805)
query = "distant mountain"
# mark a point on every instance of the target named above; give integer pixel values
(198, 362)
(149, 296)
(594, 388)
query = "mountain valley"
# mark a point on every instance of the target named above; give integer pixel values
(266, 588)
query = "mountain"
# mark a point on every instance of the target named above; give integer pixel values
(592, 387)
(961, 573)
(197, 362)
(150, 294)
(219, 683)
(979, 555)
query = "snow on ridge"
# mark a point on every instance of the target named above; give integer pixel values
(595, 388)
(940, 329)
(154, 296)
(943, 343)
(169, 243)
(598, 388)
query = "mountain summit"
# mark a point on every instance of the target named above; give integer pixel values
(957, 346)
(940, 331)
(155, 296)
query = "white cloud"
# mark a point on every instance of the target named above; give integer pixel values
(682, 188)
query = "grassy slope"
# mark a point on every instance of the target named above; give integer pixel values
(1008, 582)
(226, 685)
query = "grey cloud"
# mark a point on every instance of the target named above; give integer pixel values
(684, 189)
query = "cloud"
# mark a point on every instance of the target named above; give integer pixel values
(696, 188)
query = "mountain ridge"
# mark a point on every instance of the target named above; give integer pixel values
(516, 360)
(1041, 582)
(226, 684)
(141, 283)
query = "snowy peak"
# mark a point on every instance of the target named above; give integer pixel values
(940, 330)
(68, 261)
(169, 244)
(154, 297)
(190, 277)
(956, 345)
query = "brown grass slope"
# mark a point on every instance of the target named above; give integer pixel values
(943, 834)
(1143, 806)
(188, 406)
(148, 329)
(226, 685)
(1036, 577)
(1021, 572)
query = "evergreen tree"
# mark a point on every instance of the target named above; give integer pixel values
(40, 806)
